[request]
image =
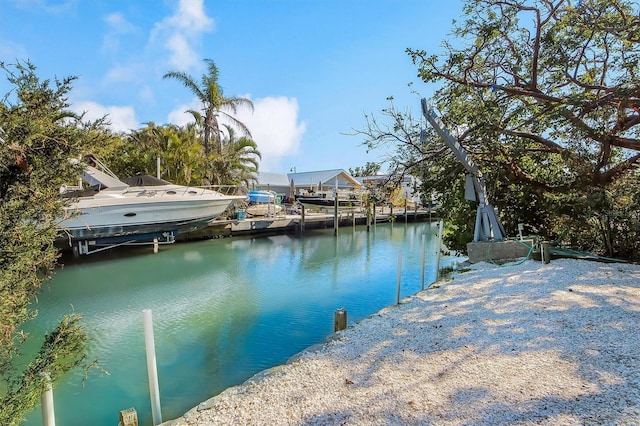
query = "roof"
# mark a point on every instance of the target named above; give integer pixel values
(325, 178)
(273, 179)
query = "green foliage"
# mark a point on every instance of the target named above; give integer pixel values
(544, 97)
(237, 163)
(38, 137)
(369, 169)
(215, 105)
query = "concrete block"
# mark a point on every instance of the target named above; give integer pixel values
(498, 251)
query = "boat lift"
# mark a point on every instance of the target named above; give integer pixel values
(92, 246)
(488, 226)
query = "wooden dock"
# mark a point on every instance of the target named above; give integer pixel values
(296, 223)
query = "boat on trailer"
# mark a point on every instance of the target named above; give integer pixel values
(109, 212)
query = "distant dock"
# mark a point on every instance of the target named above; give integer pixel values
(296, 223)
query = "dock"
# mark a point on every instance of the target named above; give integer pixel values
(297, 223)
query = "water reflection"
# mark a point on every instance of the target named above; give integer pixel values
(223, 310)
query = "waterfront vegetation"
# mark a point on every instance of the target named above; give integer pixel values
(38, 136)
(543, 94)
(545, 98)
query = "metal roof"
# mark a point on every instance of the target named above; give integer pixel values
(326, 178)
(273, 179)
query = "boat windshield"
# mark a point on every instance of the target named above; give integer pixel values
(145, 180)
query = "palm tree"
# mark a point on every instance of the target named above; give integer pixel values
(179, 148)
(209, 92)
(238, 162)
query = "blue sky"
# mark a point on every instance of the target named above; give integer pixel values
(313, 68)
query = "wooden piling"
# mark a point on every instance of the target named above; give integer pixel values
(128, 417)
(545, 252)
(405, 211)
(340, 320)
(335, 215)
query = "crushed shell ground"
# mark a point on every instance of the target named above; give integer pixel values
(521, 344)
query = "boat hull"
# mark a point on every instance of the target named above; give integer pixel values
(328, 203)
(110, 215)
(263, 209)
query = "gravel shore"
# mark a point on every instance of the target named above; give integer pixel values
(525, 344)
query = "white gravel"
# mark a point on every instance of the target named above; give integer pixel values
(522, 344)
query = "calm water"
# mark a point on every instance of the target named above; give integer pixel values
(223, 310)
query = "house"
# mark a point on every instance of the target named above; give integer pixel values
(324, 180)
(277, 182)
(291, 184)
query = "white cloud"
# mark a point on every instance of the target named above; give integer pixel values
(191, 16)
(118, 25)
(273, 124)
(179, 115)
(182, 30)
(182, 55)
(275, 128)
(121, 74)
(122, 118)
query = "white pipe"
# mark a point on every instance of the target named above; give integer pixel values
(399, 276)
(422, 264)
(48, 415)
(440, 226)
(152, 369)
(158, 166)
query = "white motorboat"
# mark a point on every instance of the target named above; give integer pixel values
(143, 208)
(263, 203)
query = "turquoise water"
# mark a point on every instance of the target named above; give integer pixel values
(223, 310)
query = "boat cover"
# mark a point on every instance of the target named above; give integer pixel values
(262, 196)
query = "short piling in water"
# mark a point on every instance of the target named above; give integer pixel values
(340, 320)
(399, 278)
(152, 368)
(128, 417)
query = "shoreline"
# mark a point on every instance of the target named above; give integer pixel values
(527, 343)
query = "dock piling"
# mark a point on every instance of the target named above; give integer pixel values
(340, 320)
(48, 413)
(422, 263)
(152, 368)
(399, 278)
